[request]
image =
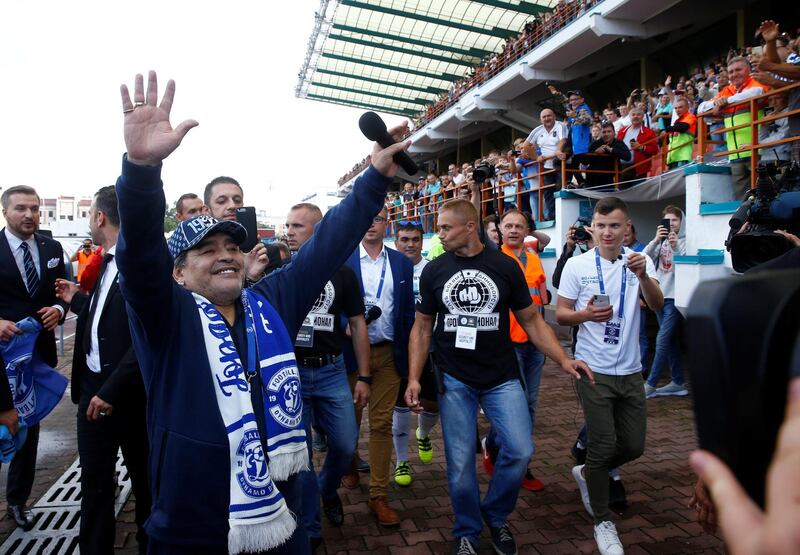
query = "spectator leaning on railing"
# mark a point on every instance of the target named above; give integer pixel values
(550, 139)
(681, 135)
(602, 155)
(642, 142)
(742, 87)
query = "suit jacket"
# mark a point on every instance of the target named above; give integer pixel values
(120, 376)
(16, 303)
(403, 278)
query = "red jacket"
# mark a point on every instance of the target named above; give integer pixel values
(647, 151)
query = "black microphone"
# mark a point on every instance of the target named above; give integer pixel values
(374, 129)
(373, 313)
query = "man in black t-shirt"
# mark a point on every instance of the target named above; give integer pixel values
(468, 293)
(323, 378)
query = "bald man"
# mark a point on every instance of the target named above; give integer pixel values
(545, 144)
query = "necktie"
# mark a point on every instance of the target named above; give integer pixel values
(31, 275)
(87, 334)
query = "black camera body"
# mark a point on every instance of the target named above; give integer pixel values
(580, 234)
(772, 205)
(483, 171)
(743, 341)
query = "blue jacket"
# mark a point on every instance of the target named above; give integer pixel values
(189, 459)
(403, 278)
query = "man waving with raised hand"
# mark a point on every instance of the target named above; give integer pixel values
(224, 402)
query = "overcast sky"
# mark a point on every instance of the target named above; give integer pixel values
(235, 65)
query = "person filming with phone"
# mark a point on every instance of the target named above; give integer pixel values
(599, 292)
(669, 242)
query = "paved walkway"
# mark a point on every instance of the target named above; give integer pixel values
(552, 521)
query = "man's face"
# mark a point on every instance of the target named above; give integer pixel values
(408, 187)
(674, 222)
(778, 102)
(431, 179)
(629, 238)
(548, 118)
(610, 228)
(623, 109)
(663, 99)
(214, 269)
(225, 199)
(636, 118)
(377, 231)
(610, 115)
(575, 101)
(466, 169)
(491, 231)
(681, 108)
(22, 214)
(738, 73)
(454, 230)
(409, 242)
(608, 134)
(87, 245)
(515, 229)
(94, 226)
(452, 170)
(192, 207)
(299, 228)
(722, 79)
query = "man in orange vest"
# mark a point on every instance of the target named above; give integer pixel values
(515, 227)
(82, 256)
(742, 86)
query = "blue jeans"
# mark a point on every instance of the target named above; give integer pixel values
(667, 344)
(531, 362)
(326, 395)
(718, 137)
(506, 408)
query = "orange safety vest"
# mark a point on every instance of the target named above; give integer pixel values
(83, 261)
(536, 280)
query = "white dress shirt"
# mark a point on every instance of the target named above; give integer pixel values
(15, 243)
(381, 329)
(93, 357)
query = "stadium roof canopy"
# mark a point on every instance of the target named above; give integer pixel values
(397, 56)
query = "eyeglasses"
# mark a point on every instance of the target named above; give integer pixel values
(378, 220)
(409, 223)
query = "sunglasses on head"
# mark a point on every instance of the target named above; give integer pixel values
(409, 223)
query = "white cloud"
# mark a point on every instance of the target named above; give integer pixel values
(235, 65)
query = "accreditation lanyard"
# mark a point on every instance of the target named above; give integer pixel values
(383, 276)
(250, 327)
(601, 283)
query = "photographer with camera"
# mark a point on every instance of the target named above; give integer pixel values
(670, 241)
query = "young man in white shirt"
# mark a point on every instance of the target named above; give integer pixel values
(599, 292)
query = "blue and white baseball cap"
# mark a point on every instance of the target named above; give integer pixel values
(190, 232)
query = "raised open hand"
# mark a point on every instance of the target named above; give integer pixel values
(769, 30)
(149, 136)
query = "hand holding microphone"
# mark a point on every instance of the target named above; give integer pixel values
(393, 154)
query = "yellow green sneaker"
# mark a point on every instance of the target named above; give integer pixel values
(402, 474)
(425, 448)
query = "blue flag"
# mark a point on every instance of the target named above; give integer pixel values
(35, 386)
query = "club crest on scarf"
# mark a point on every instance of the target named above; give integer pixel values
(24, 394)
(253, 476)
(286, 402)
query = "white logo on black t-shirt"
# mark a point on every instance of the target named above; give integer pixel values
(471, 292)
(319, 318)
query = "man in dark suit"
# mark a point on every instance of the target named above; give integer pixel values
(386, 279)
(108, 388)
(29, 266)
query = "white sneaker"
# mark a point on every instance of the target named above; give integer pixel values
(605, 534)
(672, 390)
(649, 391)
(577, 473)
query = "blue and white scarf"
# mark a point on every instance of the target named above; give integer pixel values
(258, 516)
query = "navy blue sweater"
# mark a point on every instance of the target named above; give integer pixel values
(189, 460)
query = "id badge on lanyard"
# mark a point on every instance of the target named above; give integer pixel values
(373, 301)
(613, 330)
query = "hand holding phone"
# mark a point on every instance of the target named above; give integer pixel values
(246, 216)
(599, 309)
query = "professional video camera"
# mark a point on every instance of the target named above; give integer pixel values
(773, 204)
(483, 171)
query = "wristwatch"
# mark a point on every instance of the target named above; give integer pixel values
(366, 379)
